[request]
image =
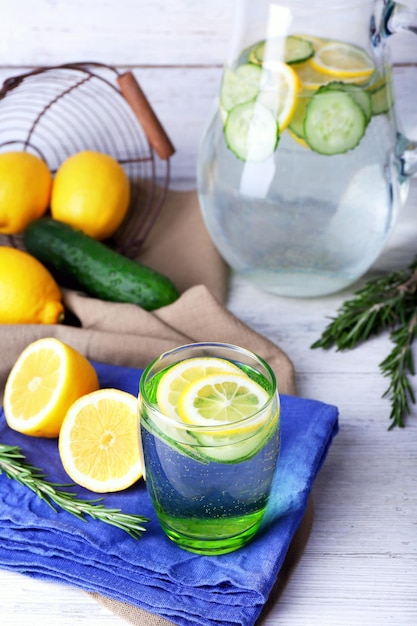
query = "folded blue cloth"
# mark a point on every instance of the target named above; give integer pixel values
(151, 572)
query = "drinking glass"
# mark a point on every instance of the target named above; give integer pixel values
(208, 468)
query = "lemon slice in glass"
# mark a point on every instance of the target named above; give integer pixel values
(229, 400)
(174, 380)
(221, 399)
(343, 60)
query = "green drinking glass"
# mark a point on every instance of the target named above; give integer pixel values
(210, 431)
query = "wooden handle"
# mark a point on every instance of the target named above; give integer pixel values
(139, 104)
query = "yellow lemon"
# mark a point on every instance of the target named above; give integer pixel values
(234, 412)
(99, 441)
(45, 381)
(222, 399)
(310, 77)
(343, 60)
(25, 190)
(91, 192)
(280, 93)
(28, 292)
(180, 375)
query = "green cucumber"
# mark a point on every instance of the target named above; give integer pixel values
(77, 260)
(334, 122)
(358, 93)
(251, 132)
(381, 99)
(234, 449)
(297, 121)
(241, 85)
(290, 49)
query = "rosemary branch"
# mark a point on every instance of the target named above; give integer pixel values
(387, 303)
(14, 465)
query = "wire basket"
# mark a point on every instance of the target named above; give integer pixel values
(57, 111)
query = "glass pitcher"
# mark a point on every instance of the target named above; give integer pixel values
(302, 169)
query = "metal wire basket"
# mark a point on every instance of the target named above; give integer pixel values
(57, 111)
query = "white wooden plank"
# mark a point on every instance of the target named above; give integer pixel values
(131, 32)
(127, 32)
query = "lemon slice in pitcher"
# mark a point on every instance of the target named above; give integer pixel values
(343, 60)
(280, 93)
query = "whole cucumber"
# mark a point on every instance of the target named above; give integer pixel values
(91, 266)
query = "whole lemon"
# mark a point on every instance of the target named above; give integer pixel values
(91, 192)
(25, 190)
(28, 292)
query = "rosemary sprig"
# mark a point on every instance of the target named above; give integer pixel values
(14, 465)
(387, 303)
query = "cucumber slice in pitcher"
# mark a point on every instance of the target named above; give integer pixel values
(289, 49)
(358, 93)
(296, 124)
(381, 100)
(334, 122)
(240, 86)
(251, 132)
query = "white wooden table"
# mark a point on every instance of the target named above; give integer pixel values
(360, 564)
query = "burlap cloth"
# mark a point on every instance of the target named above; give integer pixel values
(124, 334)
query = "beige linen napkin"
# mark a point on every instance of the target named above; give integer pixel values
(124, 334)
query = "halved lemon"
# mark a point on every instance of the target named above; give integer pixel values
(46, 379)
(343, 60)
(174, 381)
(99, 441)
(221, 399)
(280, 92)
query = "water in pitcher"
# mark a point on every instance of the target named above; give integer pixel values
(297, 227)
(298, 180)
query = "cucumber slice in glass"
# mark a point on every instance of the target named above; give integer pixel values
(179, 439)
(233, 451)
(334, 122)
(251, 132)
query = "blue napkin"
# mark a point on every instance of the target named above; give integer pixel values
(151, 572)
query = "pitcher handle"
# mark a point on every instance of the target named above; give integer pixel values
(395, 18)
